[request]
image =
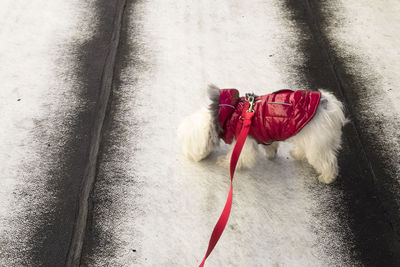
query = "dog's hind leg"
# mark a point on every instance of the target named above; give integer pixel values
(297, 153)
(271, 150)
(319, 146)
(321, 138)
(325, 163)
(247, 158)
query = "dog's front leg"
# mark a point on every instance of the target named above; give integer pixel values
(271, 150)
(247, 157)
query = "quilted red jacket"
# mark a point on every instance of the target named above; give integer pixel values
(277, 117)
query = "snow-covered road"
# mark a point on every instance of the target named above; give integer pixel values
(164, 206)
(149, 206)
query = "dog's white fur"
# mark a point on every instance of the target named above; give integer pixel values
(318, 142)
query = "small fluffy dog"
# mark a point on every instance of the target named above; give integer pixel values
(312, 121)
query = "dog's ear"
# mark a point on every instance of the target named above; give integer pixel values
(212, 89)
(213, 94)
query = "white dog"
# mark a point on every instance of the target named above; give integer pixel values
(317, 140)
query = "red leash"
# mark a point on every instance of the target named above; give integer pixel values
(247, 115)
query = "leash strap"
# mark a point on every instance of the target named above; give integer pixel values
(223, 219)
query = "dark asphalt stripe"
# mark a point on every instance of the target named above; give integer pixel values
(373, 240)
(59, 239)
(103, 196)
(112, 10)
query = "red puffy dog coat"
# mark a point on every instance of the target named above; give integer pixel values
(277, 116)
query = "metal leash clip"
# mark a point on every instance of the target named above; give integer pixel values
(251, 98)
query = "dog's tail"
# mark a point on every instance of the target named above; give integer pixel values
(199, 132)
(334, 108)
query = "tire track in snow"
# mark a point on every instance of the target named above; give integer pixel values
(376, 242)
(366, 37)
(39, 99)
(55, 178)
(101, 50)
(95, 238)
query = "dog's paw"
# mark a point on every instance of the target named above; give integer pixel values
(223, 161)
(271, 150)
(271, 153)
(297, 154)
(326, 179)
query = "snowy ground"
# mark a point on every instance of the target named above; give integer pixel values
(152, 207)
